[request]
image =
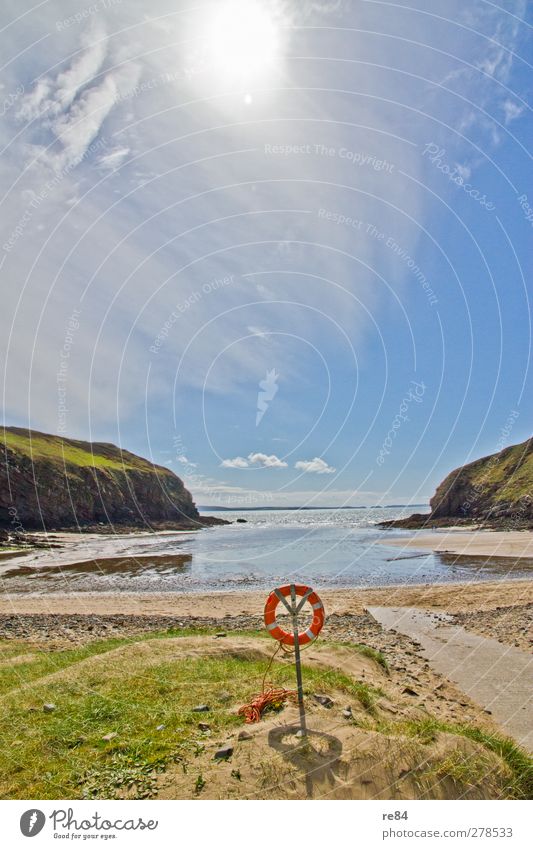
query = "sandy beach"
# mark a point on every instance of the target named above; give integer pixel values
(453, 598)
(517, 544)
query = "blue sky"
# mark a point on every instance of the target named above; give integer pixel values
(282, 247)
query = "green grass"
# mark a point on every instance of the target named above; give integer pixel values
(46, 661)
(331, 679)
(65, 451)
(466, 772)
(367, 651)
(508, 479)
(62, 754)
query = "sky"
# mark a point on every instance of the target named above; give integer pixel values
(282, 247)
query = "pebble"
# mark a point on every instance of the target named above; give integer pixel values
(203, 726)
(200, 709)
(510, 624)
(224, 753)
(49, 707)
(110, 736)
(325, 701)
(244, 735)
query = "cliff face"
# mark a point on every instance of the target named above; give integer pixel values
(497, 487)
(496, 491)
(50, 482)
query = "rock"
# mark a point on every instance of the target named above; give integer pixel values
(160, 728)
(201, 709)
(409, 691)
(203, 726)
(49, 707)
(224, 753)
(110, 736)
(241, 521)
(325, 701)
(221, 634)
(244, 735)
(347, 714)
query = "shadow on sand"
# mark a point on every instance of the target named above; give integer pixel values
(317, 757)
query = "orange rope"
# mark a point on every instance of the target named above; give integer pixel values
(276, 696)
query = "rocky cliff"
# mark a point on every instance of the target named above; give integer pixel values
(496, 487)
(50, 482)
(496, 490)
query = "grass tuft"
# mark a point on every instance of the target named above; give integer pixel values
(519, 762)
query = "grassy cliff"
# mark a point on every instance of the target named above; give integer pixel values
(496, 490)
(48, 481)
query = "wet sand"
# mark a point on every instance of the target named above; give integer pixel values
(517, 544)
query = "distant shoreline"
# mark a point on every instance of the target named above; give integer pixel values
(212, 509)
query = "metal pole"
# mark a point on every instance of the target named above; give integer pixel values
(294, 614)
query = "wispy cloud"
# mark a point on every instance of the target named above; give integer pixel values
(73, 105)
(512, 111)
(53, 95)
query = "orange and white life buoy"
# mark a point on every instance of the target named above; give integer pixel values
(306, 594)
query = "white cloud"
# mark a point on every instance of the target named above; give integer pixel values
(51, 96)
(236, 463)
(115, 157)
(317, 465)
(74, 104)
(512, 111)
(464, 170)
(81, 72)
(185, 461)
(257, 331)
(266, 461)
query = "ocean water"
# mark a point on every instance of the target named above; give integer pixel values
(322, 548)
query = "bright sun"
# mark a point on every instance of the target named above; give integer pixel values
(242, 41)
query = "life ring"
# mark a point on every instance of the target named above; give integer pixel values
(306, 594)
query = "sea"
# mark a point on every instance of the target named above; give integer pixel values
(323, 548)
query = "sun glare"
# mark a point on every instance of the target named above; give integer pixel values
(241, 41)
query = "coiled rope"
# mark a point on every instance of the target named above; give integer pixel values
(269, 696)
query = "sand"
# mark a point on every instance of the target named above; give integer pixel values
(517, 544)
(453, 598)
